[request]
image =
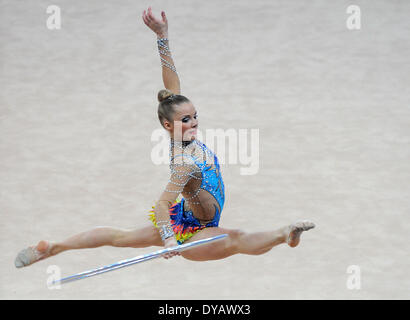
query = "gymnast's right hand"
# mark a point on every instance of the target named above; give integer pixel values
(159, 26)
(168, 243)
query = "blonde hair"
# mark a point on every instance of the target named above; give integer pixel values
(167, 102)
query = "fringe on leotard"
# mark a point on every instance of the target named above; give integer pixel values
(183, 227)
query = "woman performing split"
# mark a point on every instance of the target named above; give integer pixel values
(191, 204)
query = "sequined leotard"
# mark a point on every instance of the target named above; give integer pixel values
(196, 174)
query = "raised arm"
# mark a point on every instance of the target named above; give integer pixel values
(160, 27)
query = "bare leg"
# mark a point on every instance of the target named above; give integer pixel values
(108, 236)
(96, 237)
(246, 243)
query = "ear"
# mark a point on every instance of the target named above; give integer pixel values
(167, 125)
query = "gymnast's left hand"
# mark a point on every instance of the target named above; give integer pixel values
(168, 243)
(159, 26)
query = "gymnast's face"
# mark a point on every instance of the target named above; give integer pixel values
(185, 118)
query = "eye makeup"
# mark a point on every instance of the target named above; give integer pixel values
(186, 118)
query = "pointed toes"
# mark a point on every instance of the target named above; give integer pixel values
(24, 258)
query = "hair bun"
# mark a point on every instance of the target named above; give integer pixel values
(164, 94)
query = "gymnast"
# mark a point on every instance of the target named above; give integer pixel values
(191, 204)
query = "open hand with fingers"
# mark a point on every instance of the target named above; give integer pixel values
(158, 25)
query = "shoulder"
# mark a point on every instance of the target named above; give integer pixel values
(183, 166)
(182, 159)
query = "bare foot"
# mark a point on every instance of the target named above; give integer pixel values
(33, 254)
(296, 229)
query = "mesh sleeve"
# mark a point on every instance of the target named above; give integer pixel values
(183, 169)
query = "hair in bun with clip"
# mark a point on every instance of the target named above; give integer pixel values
(164, 94)
(168, 101)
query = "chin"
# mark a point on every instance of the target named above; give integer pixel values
(190, 138)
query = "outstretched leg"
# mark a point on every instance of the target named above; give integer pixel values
(96, 237)
(246, 243)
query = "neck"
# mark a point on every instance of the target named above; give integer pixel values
(184, 143)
